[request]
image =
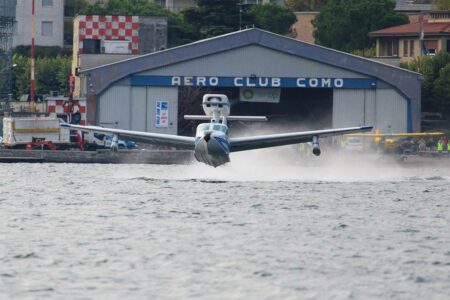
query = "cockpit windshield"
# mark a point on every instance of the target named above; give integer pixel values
(202, 128)
(211, 127)
(220, 127)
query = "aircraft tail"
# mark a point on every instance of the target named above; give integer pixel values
(229, 118)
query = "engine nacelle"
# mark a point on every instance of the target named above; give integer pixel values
(315, 146)
(216, 105)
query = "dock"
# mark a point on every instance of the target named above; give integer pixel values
(103, 156)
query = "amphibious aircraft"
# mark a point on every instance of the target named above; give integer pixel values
(211, 144)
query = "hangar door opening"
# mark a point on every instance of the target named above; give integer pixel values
(295, 109)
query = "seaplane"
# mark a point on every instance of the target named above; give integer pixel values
(212, 144)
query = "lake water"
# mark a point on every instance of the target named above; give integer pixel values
(257, 228)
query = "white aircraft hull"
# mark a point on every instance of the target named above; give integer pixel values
(212, 150)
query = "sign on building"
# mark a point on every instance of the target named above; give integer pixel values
(267, 95)
(162, 114)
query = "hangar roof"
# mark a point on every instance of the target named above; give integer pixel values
(100, 78)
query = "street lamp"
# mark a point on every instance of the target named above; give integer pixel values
(241, 10)
(10, 67)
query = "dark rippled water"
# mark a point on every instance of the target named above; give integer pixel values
(246, 231)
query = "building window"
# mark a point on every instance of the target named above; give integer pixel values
(408, 48)
(91, 46)
(430, 47)
(47, 3)
(47, 28)
(389, 48)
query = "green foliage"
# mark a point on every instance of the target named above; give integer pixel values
(305, 5)
(369, 52)
(442, 4)
(73, 7)
(442, 88)
(344, 25)
(179, 32)
(51, 73)
(39, 51)
(213, 17)
(5, 70)
(436, 81)
(272, 17)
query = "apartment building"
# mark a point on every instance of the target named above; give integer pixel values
(409, 41)
(49, 23)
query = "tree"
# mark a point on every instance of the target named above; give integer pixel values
(442, 89)
(39, 51)
(442, 4)
(214, 17)
(305, 5)
(436, 81)
(179, 32)
(344, 25)
(52, 74)
(73, 7)
(272, 17)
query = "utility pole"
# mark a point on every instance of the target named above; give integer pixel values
(32, 105)
(240, 15)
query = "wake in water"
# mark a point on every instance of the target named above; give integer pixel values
(286, 164)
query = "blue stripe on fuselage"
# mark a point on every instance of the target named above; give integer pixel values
(223, 143)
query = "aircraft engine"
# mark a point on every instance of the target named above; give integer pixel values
(216, 105)
(315, 146)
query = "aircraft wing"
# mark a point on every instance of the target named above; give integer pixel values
(181, 142)
(281, 139)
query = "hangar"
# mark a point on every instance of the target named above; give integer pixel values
(263, 74)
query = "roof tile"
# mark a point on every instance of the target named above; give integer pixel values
(429, 28)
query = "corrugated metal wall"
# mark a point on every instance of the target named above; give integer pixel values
(134, 108)
(253, 60)
(391, 111)
(115, 107)
(385, 109)
(348, 108)
(162, 94)
(139, 108)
